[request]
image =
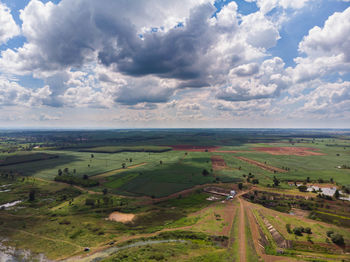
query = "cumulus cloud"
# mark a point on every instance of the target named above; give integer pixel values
(332, 99)
(69, 35)
(8, 28)
(11, 94)
(326, 49)
(255, 83)
(268, 5)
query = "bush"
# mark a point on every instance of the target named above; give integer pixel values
(255, 181)
(330, 233)
(205, 172)
(289, 230)
(302, 188)
(90, 202)
(307, 230)
(337, 239)
(298, 231)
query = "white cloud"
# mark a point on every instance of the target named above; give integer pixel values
(11, 93)
(326, 49)
(8, 28)
(268, 5)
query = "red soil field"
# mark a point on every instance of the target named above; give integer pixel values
(191, 148)
(218, 162)
(296, 151)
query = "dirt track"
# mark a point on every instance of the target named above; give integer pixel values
(261, 165)
(296, 151)
(116, 171)
(242, 242)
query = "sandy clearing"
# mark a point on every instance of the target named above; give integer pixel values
(121, 217)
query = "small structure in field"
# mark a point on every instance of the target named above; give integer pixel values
(220, 191)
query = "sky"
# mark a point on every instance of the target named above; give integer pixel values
(175, 64)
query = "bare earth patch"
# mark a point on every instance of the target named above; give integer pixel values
(295, 151)
(121, 217)
(218, 162)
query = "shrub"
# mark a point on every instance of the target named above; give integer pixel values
(289, 230)
(298, 231)
(307, 230)
(302, 188)
(337, 239)
(205, 172)
(330, 233)
(255, 181)
(90, 202)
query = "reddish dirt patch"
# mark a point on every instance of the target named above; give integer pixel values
(261, 165)
(191, 148)
(218, 163)
(296, 151)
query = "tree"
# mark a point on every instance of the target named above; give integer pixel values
(161, 162)
(276, 182)
(205, 172)
(66, 170)
(92, 156)
(240, 186)
(123, 165)
(74, 171)
(130, 159)
(32, 195)
(336, 194)
(302, 188)
(85, 177)
(332, 180)
(105, 191)
(308, 179)
(255, 181)
(59, 172)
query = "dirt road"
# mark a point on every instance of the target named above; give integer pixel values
(242, 240)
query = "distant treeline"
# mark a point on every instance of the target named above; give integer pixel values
(119, 149)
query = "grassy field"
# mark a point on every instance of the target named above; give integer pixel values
(134, 170)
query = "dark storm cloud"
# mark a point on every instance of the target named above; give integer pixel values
(76, 31)
(177, 53)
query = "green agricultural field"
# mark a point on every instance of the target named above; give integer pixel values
(83, 163)
(163, 179)
(136, 174)
(119, 149)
